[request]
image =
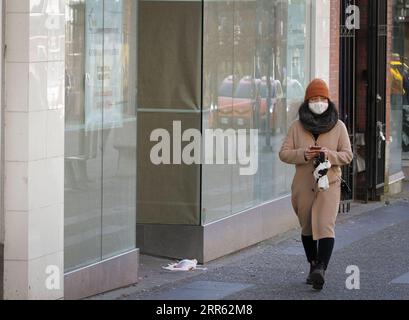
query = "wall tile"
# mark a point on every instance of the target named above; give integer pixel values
(55, 85)
(46, 182)
(38, 86)
(16, 236)
(16, 79)
(17, 6)
(46, 227)
(16, 186)
(16, 136)
(37, 135)
(15, 280)
(16, 35)
(55, 133)
(37, 277)
(38, 37)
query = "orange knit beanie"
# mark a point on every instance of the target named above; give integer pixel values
(317, 88)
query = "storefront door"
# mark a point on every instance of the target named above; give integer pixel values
(363, 86)
(347, 102)
(376, 103)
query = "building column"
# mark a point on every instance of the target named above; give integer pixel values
(2, 17)
(34, 149)
(335, 48)
(320, 44)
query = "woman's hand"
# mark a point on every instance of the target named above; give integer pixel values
(326, 151)
(310, 154)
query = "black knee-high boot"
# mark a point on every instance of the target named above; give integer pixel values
(325, 248)
(310, 247)
(311, 251)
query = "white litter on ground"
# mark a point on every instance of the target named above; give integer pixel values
(184, 265)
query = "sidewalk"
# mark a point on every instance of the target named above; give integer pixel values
(275, 269)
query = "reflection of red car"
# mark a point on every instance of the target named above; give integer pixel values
(247, 105)
(222, 114)
(236, 108)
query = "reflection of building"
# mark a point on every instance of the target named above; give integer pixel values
(399, 89)
(82, 193)
(399, 77)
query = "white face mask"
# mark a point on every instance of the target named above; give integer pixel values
(318, 107)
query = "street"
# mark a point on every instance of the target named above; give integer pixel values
(375, 241)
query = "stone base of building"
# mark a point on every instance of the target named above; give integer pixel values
(1, 270)
(405, 169)
(396, 183)
(220, 238)
(114, 273)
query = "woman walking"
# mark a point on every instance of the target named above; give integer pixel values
(318, 145)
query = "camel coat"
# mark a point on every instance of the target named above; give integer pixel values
(316, 210)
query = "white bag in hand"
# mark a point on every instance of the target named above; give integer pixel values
(320, 175)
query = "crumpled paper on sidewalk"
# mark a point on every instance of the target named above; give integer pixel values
(184, 265)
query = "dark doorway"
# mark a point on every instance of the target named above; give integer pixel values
(363, 96)
(347, 95)
(376, 117)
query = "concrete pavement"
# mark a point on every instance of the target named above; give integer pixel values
(374, 237)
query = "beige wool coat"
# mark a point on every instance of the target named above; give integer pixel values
(316, 210)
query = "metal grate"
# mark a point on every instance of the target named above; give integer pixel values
(347, 98)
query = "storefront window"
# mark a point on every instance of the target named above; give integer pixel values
(100, 132)
(399, 75)
(133, 67)
(255, 74)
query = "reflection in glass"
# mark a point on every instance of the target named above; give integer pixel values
(399, 84)
(83, 158)
(100, 130)
(119, 128)
(255, 72)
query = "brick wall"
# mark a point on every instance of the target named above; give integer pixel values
(334, 50)
(361, 68)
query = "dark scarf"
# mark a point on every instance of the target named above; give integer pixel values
(318, 124)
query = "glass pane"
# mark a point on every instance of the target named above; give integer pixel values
(246, 101)
(399, 83)
(218, 92)
(272, 49)
(83, 135)
(119, 127)
(298, 66)
(100, 150)
(257, 51)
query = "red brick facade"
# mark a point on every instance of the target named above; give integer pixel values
(361, 68)
(334, 50)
